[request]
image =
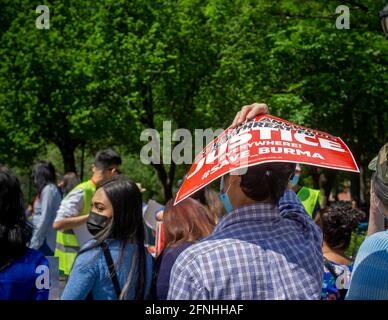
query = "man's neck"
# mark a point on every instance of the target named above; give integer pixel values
(248, 202)
(96, 178)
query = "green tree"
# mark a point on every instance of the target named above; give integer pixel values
(106, 70)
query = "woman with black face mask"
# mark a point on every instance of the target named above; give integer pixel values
(115, 264)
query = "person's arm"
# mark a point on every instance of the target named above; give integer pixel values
(82, 277)
(249, 112)
(291, 207)
(184, 285)
(376, 219)
(369, 275)
(48, 211)
(290, 203)
(68, 215)
(70, 223)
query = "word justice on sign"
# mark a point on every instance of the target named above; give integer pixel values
(265, 139)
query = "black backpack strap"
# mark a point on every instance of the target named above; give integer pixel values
(329, 267)
(111, 267)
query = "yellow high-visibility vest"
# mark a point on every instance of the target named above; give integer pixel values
(309, 198)
(67, 245)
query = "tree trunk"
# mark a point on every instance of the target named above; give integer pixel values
(326, 182)
(355, 187)
(362, 186)
(355, 178)
(167, 181)
(82, 162)
(314, 171)
(171, 176)
(67, 151)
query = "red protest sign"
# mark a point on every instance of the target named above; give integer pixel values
(265, 139)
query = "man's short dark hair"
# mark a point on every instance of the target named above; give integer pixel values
(268, 181)
(106, 159)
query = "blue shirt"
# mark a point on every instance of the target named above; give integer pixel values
(45, 211)
(331, 284)
(370, 272)
(24, 278)
(258, 251)
(90, 273)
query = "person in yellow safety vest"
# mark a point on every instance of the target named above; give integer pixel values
(75, 208)
(309, 197)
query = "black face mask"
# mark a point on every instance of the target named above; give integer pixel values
(96, 222)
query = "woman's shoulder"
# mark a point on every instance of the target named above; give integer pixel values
(34, 255)
(172, 253)
(375, 244)
(378, 239)
(32, 258)
(89, 251)
(92, 248)
(339, 267)
(50, 187)
(51, 190)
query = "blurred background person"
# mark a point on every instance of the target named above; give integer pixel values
(337, 223)
(345, 194)
(308, 196)
(211, 200)
(45, 207)
(115, 264)
(183, 225)
(18, 263)
(152, 216)
(69, 181)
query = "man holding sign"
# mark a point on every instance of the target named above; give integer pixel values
(267, 247)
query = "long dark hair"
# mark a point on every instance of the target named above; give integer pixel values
(126, 226)
(15, 230)
(43, 173)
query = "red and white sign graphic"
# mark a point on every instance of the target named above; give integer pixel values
(265, 139)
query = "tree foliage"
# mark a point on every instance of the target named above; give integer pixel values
(106, 70)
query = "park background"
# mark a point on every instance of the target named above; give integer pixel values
(106, 70)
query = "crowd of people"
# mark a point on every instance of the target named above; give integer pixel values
(262, 237)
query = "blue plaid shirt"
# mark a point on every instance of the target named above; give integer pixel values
(258, 251)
